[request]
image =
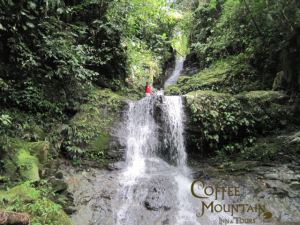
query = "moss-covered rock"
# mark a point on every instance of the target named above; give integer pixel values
(198, 95)
(173, 89)
(228, 123)
(280, 82)
(37, 133)
(183, 79)
(204, 80)
(58, 185)
(18, 162)
(263, 97)
(27, 165)
(23, 160)
(33, 133)
(25, 198)
(88, 134)
(43, 150)
(233, 75)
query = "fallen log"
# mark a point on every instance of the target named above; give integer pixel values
(14, 218)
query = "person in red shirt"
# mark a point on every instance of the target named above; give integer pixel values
(147, 89)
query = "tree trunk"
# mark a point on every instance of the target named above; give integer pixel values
(14, 218)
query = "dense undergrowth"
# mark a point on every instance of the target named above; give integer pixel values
(55, 53)
(238, 48)
(30, 198)
(66, 68)
(227, 124)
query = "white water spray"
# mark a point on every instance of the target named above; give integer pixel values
(154, 185)
(176, 73)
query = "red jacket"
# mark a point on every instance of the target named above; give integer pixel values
(147, 89)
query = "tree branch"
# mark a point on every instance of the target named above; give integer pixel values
(255, 24)
(14, 218)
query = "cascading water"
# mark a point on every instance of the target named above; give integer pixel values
(176, 73)
(155, 188)
(156, 164)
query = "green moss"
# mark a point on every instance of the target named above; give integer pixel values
(183, 80)
(232, 75)
(209, 76)
(172, 89)
(100, 143)
(25, 198)
(295, 186)
(205, 80)
(42, 150)
(88, 132)
(28, 165)
(19, 162)
(196, 96)
(280, 81)
(24, 159)
(262, 96)
(37, 133)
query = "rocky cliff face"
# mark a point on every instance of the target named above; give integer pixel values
(167, 72)
(190, 65)
(89, 135)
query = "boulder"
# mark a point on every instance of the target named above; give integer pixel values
(280, 82)
(222, 120)
(231, 76)
(91, 130)
(58, 185)
(43, 150)
(26, 160)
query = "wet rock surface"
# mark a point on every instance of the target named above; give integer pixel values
(275, 187)
(96, 198)
(116, 166)
(92, 190)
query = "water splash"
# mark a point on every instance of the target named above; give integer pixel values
(154, 186)
(154, 179)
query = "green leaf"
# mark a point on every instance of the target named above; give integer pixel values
(214, 113)
(32, 5)
(60, 10)
(1, 27)
(31, 25)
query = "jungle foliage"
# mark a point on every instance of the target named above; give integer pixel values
(239, 47)
(52, 51)
(261, 29)
(55, 53)
(228, 124)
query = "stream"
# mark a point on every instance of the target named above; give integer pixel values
(153, 184)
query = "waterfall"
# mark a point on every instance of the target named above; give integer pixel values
(154, 186)
(154, 181)
(176, 73)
